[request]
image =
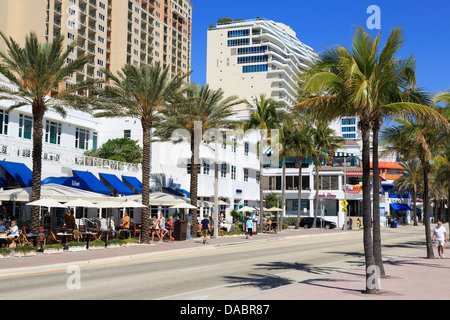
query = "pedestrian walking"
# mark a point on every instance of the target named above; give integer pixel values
(440, 236)
(155, 229)
(206, 227)
(170, 228)
(249, 225)
(162, 226)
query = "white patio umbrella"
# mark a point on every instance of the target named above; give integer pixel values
(81, 203)
(183, 206)
(247, 209)
(274, 209)
(49, 203)
(131, 204)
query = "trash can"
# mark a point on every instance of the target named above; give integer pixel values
(179, 230)
(394, 224)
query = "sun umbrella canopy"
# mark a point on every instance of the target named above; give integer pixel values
(131, 204)
(246, 209)
(108, 204)
(49, 203)
(183, 206)
(80, 203)
(274, 209)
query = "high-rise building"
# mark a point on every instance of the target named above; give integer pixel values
(251, 57)
(112, 32)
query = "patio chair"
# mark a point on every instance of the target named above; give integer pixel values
(21, 240)
(77, 236)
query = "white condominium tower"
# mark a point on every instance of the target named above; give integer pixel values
(252, 57)
(112, 32)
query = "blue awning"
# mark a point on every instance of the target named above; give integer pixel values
(184, 191)
(174, 191)
(133, 183)
(73, 182)
(115, 183)
(94, 183)
(19, 172)
(400, 206)
(3, 182)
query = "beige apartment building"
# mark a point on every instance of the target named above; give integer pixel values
(112, 32)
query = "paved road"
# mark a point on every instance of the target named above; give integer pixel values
(227, 271)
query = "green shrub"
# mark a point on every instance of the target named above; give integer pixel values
(25, 248)
(97, 243)
(76, 244)
(53, 246)
(5, 250)
(115, 241)
(130, 240)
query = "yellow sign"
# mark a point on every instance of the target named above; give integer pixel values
(344, 209)
(344, 203)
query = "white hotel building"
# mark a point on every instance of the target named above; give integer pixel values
(252, 57)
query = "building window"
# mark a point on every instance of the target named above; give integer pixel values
(223, 170)
(257, 177)
(233, 172)
(127, 133)
(25, 126)
(4, 120)
(94, 140)
(206, 167)
(252, 50)
(239, 42)
(238, 33)
(52, 132)
(255, 68)
(224, 141)
(246, 148)
(82, 139)
(245, 174)
(234, 145)
(253, 59)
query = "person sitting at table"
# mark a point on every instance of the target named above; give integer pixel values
(2, 227)
(125, 225)
(13, 232)
(69, 220)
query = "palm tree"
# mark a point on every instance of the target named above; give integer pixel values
(368, 84)
(418, 139)
(442, 163)
(302, 144)
(140, 92)
(264, 117)
(199, 111)
(324, 140)
(36, 70)
(410, 181)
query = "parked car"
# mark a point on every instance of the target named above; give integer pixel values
(308, 221)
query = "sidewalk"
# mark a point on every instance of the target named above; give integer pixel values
(408, 278)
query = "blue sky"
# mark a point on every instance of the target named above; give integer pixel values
(319, 24)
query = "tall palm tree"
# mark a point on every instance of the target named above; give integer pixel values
(411, 181)
(418, 139)
(199, 111)
(442, 163)
(325, 140)
(140, 92)
(368, 84)
(35, 70)
(302, 144)
(264, 118)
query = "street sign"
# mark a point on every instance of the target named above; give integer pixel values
(344, 209)
(344, 203)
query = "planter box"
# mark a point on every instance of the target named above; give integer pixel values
(24, 253)
(5, 255)
(96, 247)
(53, 250)
(129, 244)
(114, 245)
(77, 249)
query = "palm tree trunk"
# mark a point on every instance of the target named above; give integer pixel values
(195, 146)
(283, 193)
(261, 167)
(316, 203)
(146, 160)
(38, 110)
(415, 206)
(426, 209)
(371, 277)
(299, 209)
(376, 203)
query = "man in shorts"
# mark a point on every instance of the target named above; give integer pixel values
(205, 228)
(440, 236)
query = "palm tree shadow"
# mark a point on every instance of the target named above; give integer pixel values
(263, 282)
